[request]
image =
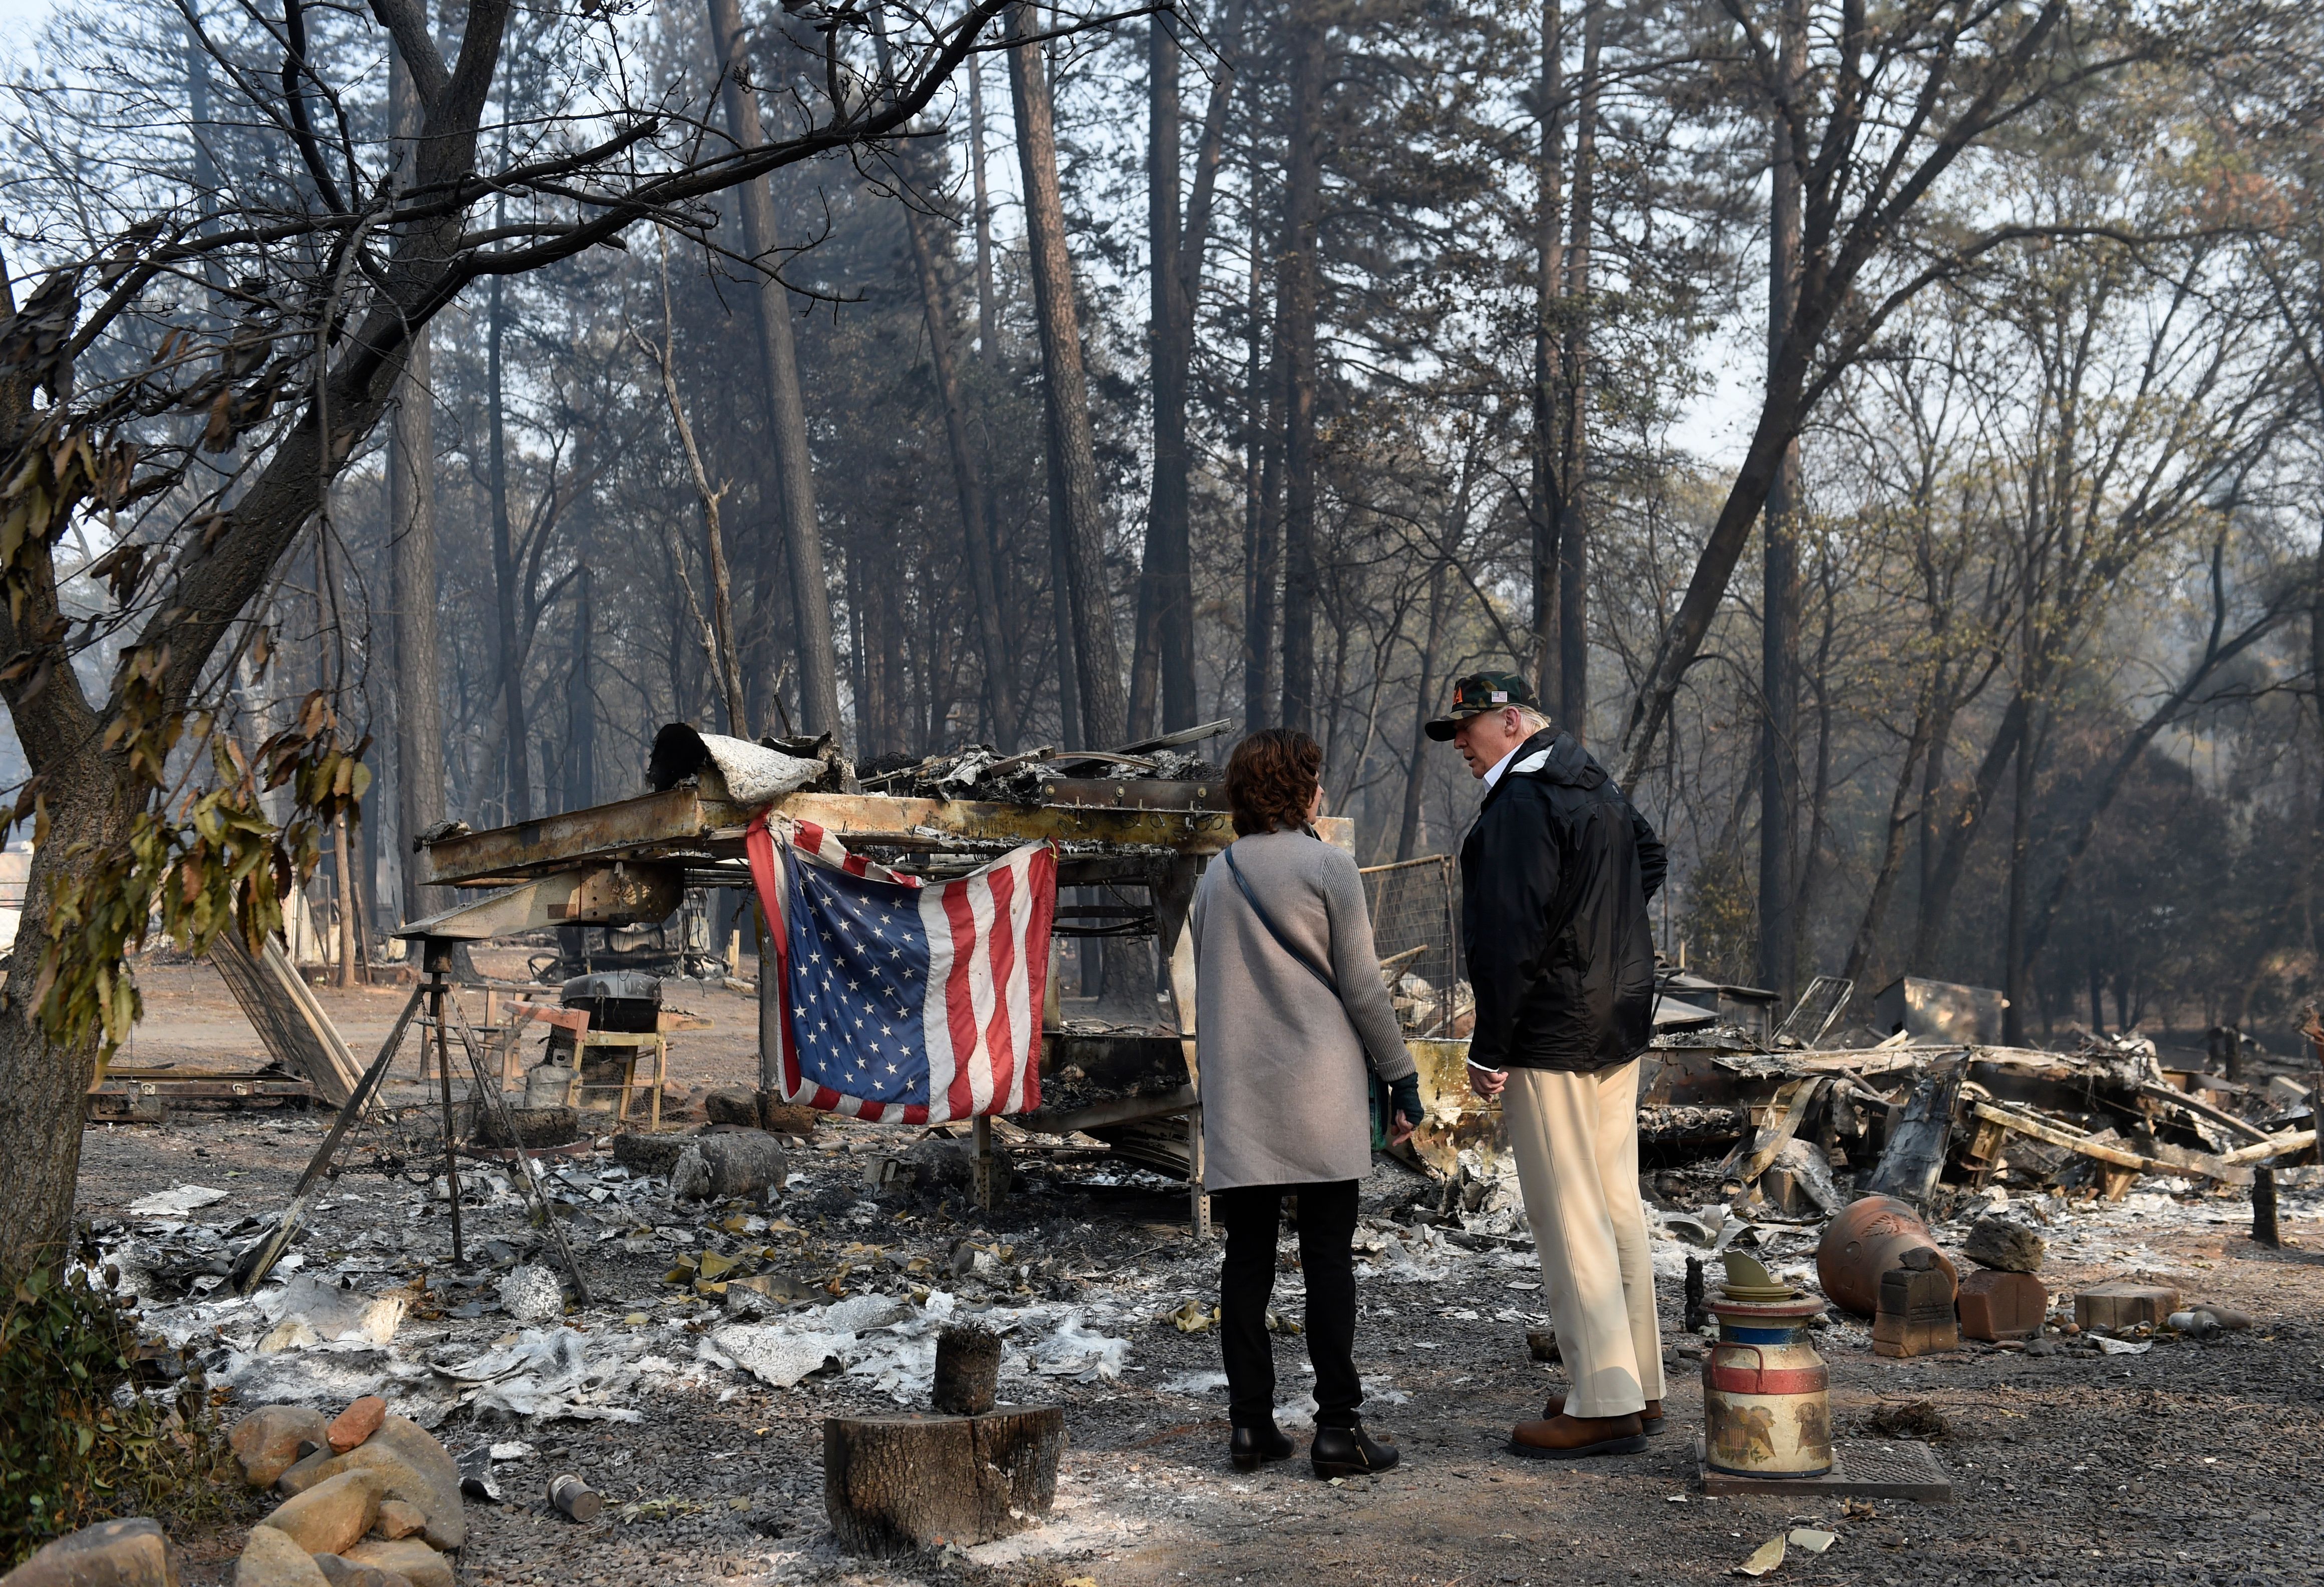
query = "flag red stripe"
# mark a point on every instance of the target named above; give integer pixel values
(765, 880)
(960, 1008)
(998, 1055)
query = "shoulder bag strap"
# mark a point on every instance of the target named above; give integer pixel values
(1267, 920)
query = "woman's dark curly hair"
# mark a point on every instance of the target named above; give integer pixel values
(1270, 778)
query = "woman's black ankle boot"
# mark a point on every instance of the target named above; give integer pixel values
(1253, 1445)
(1349, 1452)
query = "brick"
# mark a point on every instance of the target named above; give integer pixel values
(358, 1422)
(1917, 1313)
(1996, 1306)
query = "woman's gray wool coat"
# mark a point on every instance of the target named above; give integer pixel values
(1282, 1089)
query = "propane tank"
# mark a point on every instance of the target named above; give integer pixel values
(1766, 1393)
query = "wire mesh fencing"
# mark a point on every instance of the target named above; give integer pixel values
(1415, 934)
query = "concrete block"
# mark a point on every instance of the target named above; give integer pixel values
(2121, 1303)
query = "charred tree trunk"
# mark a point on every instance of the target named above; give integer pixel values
(1573, 519)
(1892, 847)
(1177, 272)
(786, 406)
(2014, 990)
(1779, 635)
(1061, 596)
(512, 646)
(1259, 541)
(988, 305)
(1812, 871)
(1296, 289)
(581, 705)
(1549, 278)
(1961, 831)
(411, 576)
(1415, 775)
(41, 1084)
(968, 484)
(1097, 657)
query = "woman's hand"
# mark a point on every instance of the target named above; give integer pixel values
(1486, 1082)
(1405, 1108)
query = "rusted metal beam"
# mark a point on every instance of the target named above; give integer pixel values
(683, 826)
(678, 824)
(622, 894)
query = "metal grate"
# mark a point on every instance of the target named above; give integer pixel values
(1868, 1468)
(1411, 905)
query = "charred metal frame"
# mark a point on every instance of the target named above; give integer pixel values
(615, 863)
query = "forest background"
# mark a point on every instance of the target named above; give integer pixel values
(1890, 436)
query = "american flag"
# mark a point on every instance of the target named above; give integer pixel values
(902, 1001)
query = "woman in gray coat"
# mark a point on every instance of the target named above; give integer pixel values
(1289, 1004)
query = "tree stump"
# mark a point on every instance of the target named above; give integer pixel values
(895, 1484)
(968, 1370)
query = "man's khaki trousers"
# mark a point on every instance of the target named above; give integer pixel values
(1576, 1142)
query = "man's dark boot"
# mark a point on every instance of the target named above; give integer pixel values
(1652, 1416)
(1349, 1452)
(1252, 1446)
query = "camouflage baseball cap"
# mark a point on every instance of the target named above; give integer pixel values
(1476, 693)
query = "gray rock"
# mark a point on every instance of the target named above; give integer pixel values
(2007, 1244)
(654, 1155)
(130, 1552)
(531, 1293)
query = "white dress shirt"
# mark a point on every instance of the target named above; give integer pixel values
(1502, 765)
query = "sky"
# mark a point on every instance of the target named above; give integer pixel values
(19, 21)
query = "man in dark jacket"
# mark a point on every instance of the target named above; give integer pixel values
(1554, 879)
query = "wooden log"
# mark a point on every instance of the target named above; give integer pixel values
(712, 1167)
(2274, 1146)
(895, 1484)
(968, 1370)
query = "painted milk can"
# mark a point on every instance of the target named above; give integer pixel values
(1766, 1393)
